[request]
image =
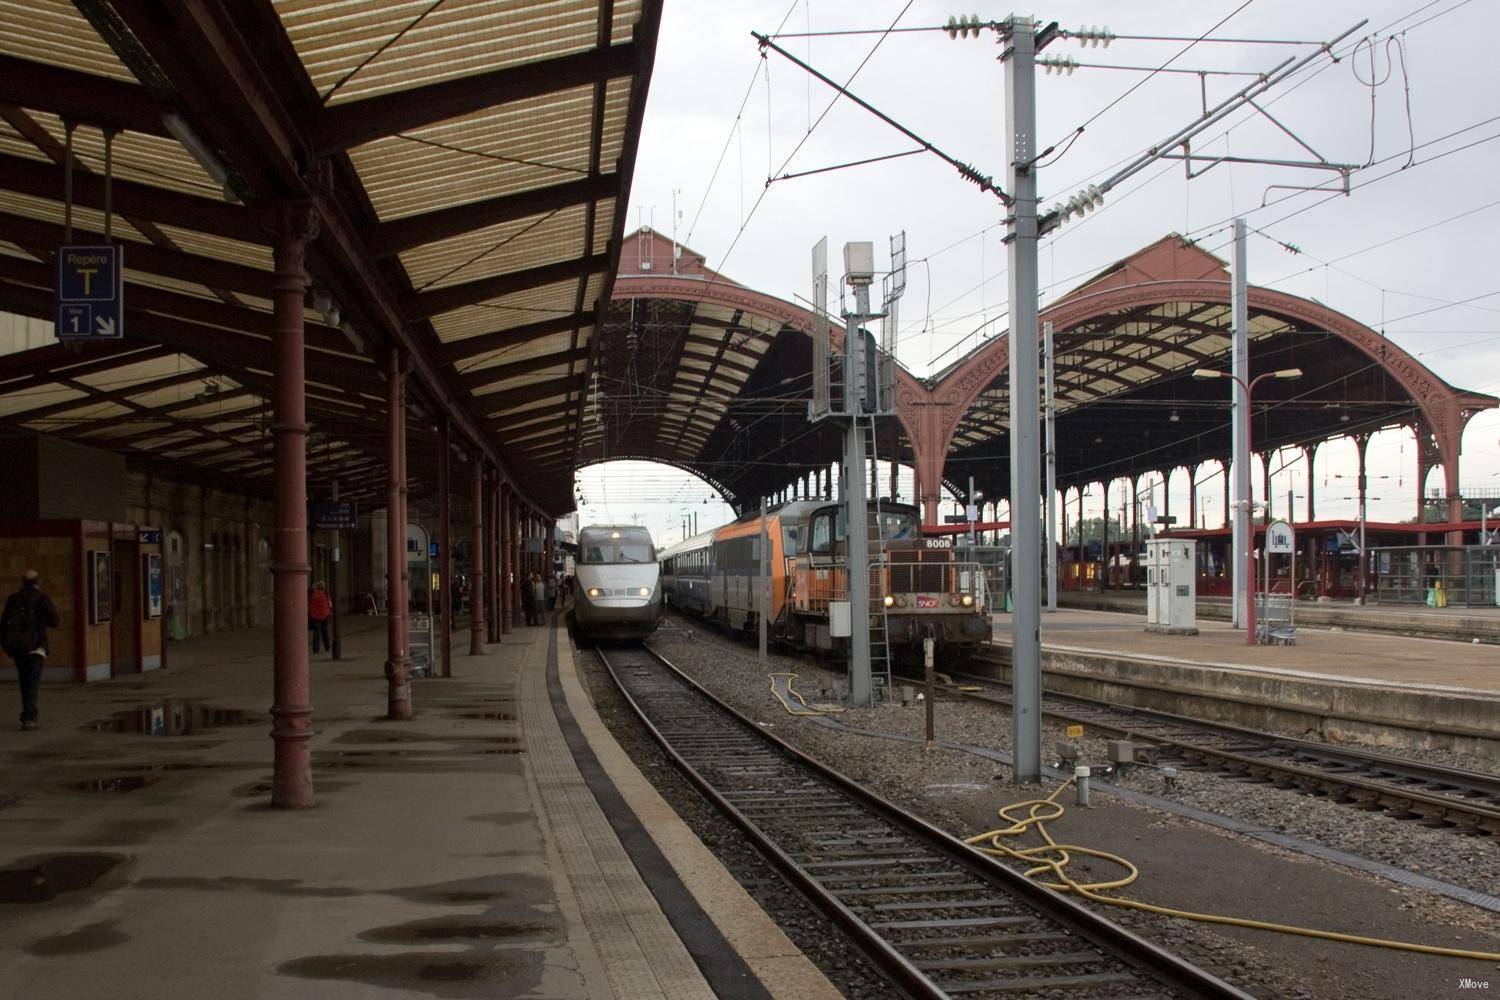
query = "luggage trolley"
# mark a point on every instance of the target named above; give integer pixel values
(1274, 623)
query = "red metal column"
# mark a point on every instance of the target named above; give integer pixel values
(291, 711)
(476, 558)
(445, 603)
(1192, 519)
(398, 687)
(1311, 452)
(497, 564)
(507, 609)
(519, 565)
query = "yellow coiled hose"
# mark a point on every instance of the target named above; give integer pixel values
(1052, 858)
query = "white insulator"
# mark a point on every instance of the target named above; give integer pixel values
(952, 26)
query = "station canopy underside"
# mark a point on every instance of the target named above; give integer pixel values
(699, 372)
(462, 163)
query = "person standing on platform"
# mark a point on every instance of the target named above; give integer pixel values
(551, 591)
(539, 599)
(528, 601)
(319, 611)
(28, 615)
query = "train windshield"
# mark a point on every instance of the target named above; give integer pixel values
(616, 545)
(895, 525)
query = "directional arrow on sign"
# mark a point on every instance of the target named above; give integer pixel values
(106, 326)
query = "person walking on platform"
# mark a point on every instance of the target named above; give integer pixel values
(319, 611)
(539, 599)
(528, 601)
(28, 615)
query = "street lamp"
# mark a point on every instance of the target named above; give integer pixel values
(1244, 502)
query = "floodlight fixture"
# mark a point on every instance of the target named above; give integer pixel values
(1288, 373)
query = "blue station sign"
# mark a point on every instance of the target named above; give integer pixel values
(90, 293)
(333, 515)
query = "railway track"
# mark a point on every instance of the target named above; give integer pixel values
(937, 917)
(1452, 798)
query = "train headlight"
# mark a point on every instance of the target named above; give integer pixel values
(890, 601)
(953, 600)
(595, 592)
(968, 600)
(644, 591)
(900, 601)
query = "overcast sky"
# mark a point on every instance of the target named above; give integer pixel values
(1361, 254)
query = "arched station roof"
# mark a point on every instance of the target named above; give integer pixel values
(696, 370)
(457, 170)
(1126, 344)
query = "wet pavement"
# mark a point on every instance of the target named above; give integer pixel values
(139, 856)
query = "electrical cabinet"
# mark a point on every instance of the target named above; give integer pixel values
(1172, 586)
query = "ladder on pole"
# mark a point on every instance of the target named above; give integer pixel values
(880, 645)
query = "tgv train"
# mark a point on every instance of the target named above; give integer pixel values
(618, 593)
(919, 589)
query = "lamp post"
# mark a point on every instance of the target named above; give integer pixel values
(1243, 455)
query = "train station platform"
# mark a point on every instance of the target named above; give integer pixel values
(499, 844)
(1379, 689)
(1455, 622)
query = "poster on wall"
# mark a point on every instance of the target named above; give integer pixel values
(153, 586)
(101, 599)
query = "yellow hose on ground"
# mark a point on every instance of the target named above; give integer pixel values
(1052, 857)
(786, 694)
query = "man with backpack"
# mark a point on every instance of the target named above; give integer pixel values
(28, 615)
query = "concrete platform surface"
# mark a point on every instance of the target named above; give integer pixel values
(461, 854)
(1348, 657)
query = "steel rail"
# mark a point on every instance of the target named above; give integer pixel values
(723, 740)
(1472, 805)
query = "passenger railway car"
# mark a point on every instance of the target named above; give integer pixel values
(618, 592)
(918, 586)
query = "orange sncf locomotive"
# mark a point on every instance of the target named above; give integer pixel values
(919, 587)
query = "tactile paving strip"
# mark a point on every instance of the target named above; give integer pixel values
(641, 954)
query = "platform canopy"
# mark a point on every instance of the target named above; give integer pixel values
(463, 162)
(697, 371)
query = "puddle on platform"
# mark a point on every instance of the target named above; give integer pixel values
(501, 716)
(118, 783)
(39, 878)
(458, 929)
(89, 937)
(173, 717)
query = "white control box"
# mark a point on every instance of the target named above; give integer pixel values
(859, 262)
(1172, 586)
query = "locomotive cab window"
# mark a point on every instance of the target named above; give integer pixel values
(822, 534)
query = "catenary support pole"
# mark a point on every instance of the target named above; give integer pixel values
(397, 687)
(1025, 485)
(291, 710)
(1049, 511)
(476, 560)
(861, 684)
(443, 605)
(1243, 540)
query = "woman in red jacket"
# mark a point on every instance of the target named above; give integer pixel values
(319, 611)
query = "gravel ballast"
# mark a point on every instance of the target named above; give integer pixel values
(960, 791)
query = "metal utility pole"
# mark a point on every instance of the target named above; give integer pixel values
(972, 515)
(763, 585)
(857, 556)
(1240, 464)
(1051, 469)
(1025, 485)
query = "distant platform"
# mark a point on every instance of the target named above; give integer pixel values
(1381, 689)
(1455, 622)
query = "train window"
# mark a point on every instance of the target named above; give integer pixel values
(896, 525)
(620, 545)
(791, 540)
(822, 541)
